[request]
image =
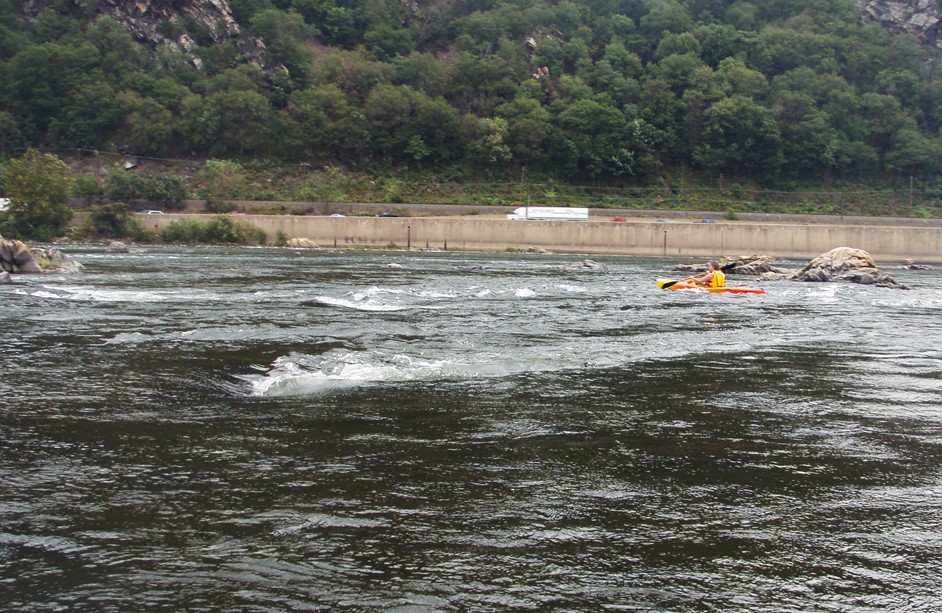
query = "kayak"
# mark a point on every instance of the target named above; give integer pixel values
(726, 289)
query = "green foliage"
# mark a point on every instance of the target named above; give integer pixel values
(110, 220)
(614, 93)
(162, 191)
(37, 185)
(220, 229)
(221, 180)
(166, 191)
(121, 184)
(87, 189)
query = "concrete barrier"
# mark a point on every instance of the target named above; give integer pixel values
(677, 239)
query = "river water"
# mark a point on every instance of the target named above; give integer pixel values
(221, 429)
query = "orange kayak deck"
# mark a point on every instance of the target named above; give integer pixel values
(727, 289)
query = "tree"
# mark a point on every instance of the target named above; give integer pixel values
(10, 137)
(595, 132)
(220, 180)
(110, 220)
(148, 126)
(740, 137)
(327, 124)
(121, 184)
(38, 187)
(911, 153)
(809, 141)
(166, 191)
(234, 123)
(41, 81)
(665, 16)
(422, 71)
(283, 33)
(87, 189)
(388, 110)
(488, 146)
(528, 124)
(89, 117)
(718, 42)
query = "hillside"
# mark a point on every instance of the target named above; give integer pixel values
(786, 94)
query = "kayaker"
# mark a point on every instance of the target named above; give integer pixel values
(713, 277)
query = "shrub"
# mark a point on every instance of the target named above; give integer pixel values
(219, 229)
(87, 189)
(124, 185)
(38, 187)
(110, 220)
(165, 191)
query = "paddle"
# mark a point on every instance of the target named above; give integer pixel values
(670, 283)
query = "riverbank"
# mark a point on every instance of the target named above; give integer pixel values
(703, 237)
(368, 209)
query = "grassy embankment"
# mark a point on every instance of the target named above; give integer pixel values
(680, 190)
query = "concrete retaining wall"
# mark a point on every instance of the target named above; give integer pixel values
(632, 237)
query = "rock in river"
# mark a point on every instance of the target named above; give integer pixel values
(17, 258)
(844, 264)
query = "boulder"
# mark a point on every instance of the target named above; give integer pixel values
(17, 258)
(5, 278)
(54, 260)
(844, 264)
(911, 265)
(751, 265)
(301, 243)
(587, 265)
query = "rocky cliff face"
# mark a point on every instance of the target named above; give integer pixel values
(164, 24)
(919, 18)
(148, 22)
(160, 23)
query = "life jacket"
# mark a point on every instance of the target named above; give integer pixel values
(718, 280)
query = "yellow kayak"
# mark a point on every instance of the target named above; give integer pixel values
(726, 289)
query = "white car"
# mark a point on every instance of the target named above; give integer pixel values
(153, 212)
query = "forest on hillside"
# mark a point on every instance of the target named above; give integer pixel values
(600, 92)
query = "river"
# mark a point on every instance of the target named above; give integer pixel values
(251, 429)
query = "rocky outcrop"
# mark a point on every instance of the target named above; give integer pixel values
(301, 243)
(118, 247)
(844, 264)
(586, 266)
(746, 265)
(53, 260)
(841, 264)
(921, 19)
(164, 25)
(17, 258)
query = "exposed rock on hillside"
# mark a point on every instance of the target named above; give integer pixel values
(918, 18)
(163, 24)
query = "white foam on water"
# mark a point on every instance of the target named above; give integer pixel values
(301, 374)
(358, 305)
